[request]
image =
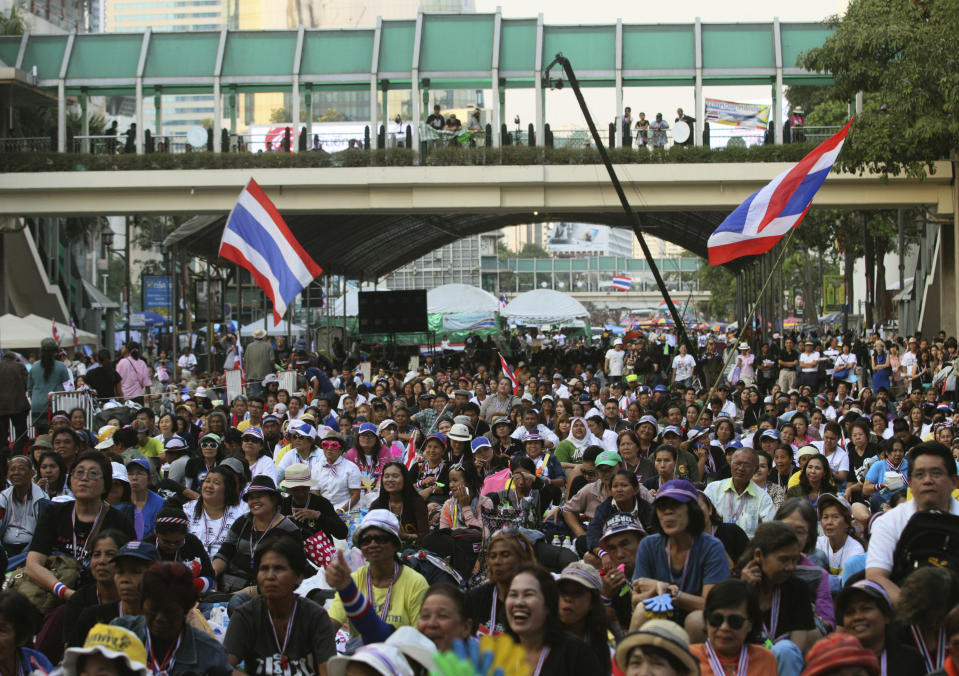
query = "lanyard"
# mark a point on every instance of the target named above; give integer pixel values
(14, 521)
(735, 515)
(924, 651)
(81, 554)
(492, 612)
(206, 529)
(770, 629)
(717, 666)
(883, 667)
(542, 659)
(897, 470)
(669, 565)
(254, 545)
(168, 660)
(385, 608)
(284, 662)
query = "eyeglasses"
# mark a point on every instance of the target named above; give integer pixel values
(378, 538)
(330, 445)
(92, 474)
(209, 444)
(934, 474)
(735, 622)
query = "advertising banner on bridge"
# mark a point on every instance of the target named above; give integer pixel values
(732, 114)
(577, 238)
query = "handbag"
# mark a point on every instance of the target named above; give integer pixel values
(319, 549)
(64, 567)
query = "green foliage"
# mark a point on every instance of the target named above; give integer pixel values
(721, 284)
(331, 115)
(903, 54)
(280, 115)
(13, 23)
(531, 250)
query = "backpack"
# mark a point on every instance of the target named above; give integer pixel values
(929, 539)
(434, 568)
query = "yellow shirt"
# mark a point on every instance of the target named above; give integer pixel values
(405, 603)
(793, 480)
(243, 424)
(151, 447)
(280, 453)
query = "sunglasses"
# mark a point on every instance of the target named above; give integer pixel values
(378, 538)
(294, 437)
(589, 472)
(330, 445)
(735, 622)
(209, 444)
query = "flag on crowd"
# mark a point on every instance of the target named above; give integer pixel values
(53, 329)
(761, 221)
(508, 372)
(621, 282)
(503, 302)
(257, 238)
(76, 338)
(410, 456)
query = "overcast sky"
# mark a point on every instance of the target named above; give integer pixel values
(561, 107)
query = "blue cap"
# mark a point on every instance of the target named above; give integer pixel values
(480, 442)
(142, 463)
(672, 429)
(660, 388)
(435, 435)
(137, 549)
(679, 490)
(769, 434)
(368, 427)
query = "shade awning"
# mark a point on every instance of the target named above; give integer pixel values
(96, 299)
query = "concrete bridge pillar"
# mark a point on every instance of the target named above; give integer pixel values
(948, 281)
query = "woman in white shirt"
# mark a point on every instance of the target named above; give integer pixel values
(837, 542)
(809, 366)
(845, 365)
(257, 456)
(211, 515)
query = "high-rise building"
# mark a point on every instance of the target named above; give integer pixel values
(51, 16)
(455, 263)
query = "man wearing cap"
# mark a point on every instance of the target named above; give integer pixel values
(737, 499)
(311, 512)
(617, 550)
(548, 467)
(613, 363)
(809, 365)
(560, 391)
(428, 418)
(120, 649)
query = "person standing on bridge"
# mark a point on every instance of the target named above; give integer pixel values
(689, 120)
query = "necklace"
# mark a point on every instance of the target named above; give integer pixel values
(284, 662)
(385, 608)
(17, 522)
(669, 563)
(81, 553)
(209, 543)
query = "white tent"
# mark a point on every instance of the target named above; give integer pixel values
(544, 306)
(17, 333)
(278, 330)
(352, 300)
(45, 325)
(457, 298)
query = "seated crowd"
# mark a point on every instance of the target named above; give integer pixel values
(605, 526)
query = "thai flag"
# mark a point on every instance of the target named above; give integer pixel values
(503, 302)
(76, 338)
(53, 330)
(761, 221)
(257, 238)
(410, 456)
(508, 372)
(622, 282)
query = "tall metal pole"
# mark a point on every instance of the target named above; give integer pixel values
(631, 216)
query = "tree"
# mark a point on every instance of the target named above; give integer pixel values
(721, 284)
(531, 250)
(13, 23)
(331, 115)
(904, 53)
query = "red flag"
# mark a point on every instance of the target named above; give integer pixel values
(410, 456)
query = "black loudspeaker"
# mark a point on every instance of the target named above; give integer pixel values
(392, 311)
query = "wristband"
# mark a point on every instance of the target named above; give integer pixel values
(606, 600)
(601, 552)
(60, 590)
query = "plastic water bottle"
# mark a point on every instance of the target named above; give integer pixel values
(567, 544)
(556, 541)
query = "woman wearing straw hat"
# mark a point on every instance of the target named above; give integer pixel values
(660, 647)
(311, 512)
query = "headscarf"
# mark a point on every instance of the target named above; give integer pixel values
(580, 445)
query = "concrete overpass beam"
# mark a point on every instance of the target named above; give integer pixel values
(700, 102)
(779, 94)
(621, 132)
(496, 117)
(540, 121)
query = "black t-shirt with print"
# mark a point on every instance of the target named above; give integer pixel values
(56, 532)
(251, 637)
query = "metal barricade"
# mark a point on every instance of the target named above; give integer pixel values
(67, 401)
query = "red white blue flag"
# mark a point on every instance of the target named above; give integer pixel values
(53, 330)
(621, 282)
(409, 456)
(76, 338)
(761, 221)
(257, 238)
(508, 372)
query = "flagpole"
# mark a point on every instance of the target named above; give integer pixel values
(742, 329)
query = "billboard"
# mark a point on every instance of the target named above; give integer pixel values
(733, 114)
(158, 295)
(577, 238)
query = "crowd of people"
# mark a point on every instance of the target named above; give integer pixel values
(601, 505)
